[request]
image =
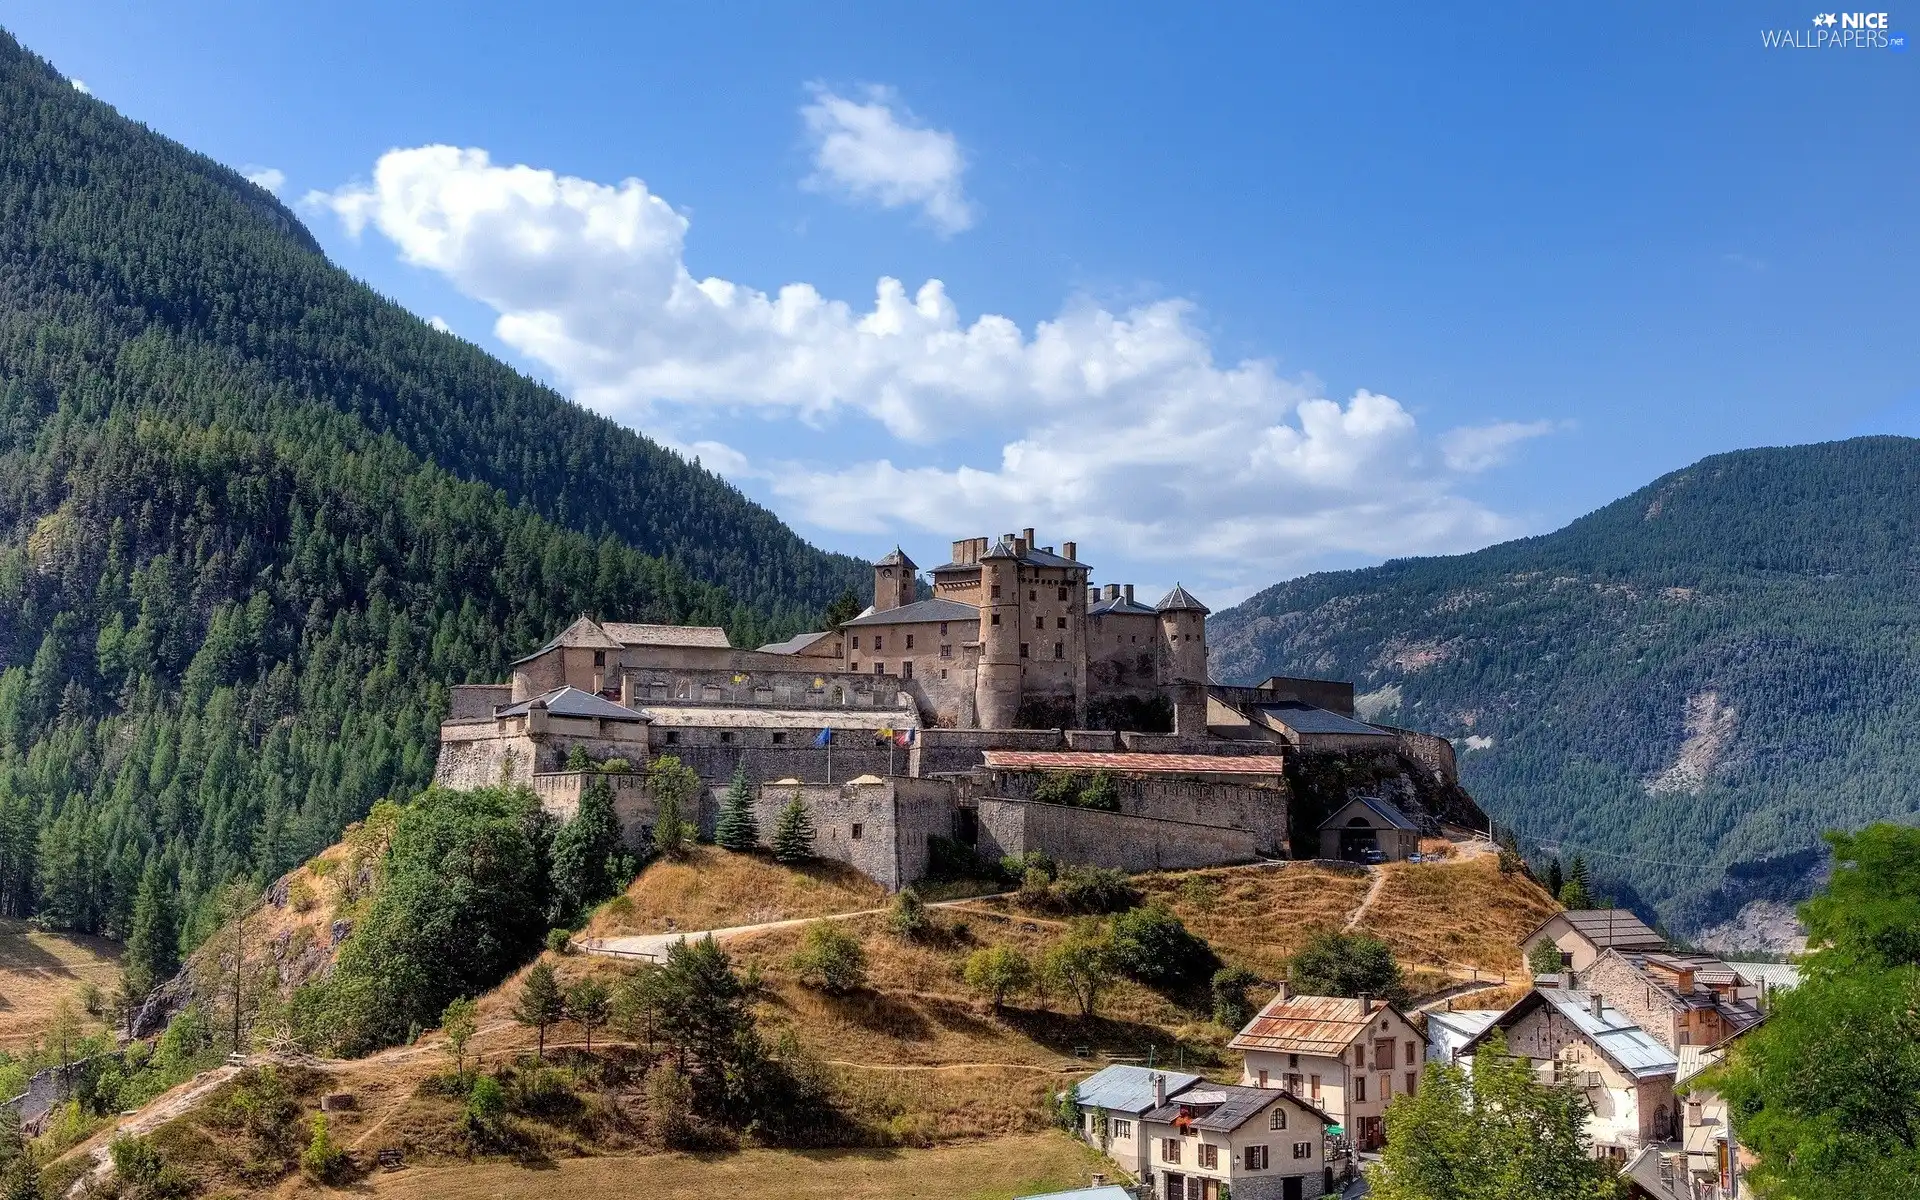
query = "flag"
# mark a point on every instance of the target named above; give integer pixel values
(883, 734)
(903, 739)
(823, 737)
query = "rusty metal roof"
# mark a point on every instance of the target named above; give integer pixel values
(1307, 1025)
(1137, 764)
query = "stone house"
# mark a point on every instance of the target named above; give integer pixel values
(1112, 1102)
(1366, 824)
(1681, 999)
(1626, 1074)
(1349, 1057)
(1215, 1140)
(1582, 934)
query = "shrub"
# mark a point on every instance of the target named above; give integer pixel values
(143, 1173)
(322, 1161)
(1201, 891)
(486, 1105)
(907, 916)
(1230, 1004)
(1016, 867)
(999, 971)
(1152, 946)
(670, 1107)
(1101, 792)
(1094, 890)
(1036, 889)
(1082, 965)
(1346, 964)
(559, 939)
(831, 957)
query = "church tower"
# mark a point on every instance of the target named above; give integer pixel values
(893, 581)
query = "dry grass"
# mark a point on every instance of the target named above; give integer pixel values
(973, 1171)
(39, 969)
(713, 889)
(1255, 917)
(1458, 914)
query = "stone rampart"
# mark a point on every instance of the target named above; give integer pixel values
(1089, 837)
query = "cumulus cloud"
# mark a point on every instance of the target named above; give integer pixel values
(875, 151)
(270, 178)
(1122, 426)
(440, 323)
(80, 85)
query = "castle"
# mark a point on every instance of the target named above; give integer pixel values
(942, 717)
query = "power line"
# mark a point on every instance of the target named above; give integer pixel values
(1557, 843)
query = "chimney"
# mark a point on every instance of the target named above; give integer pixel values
(1693, 1111)
(1093, 596)
(626, 690)
(1285, 993)
(1159, 1091)
(960, 549)
(1127, 590)
(1026, 535)
(1366, 1004)
(1099, 1179)
(1113, 591)
(1072, 550)
(1596, 1001)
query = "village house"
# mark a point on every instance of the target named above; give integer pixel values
(1449, 1031)
(1681, 999)
(1114, 1100)
(1349, 1057)
(1213, 1141)
(1625, 1073)
(1582, 934)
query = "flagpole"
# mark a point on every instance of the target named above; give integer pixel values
(829, 754)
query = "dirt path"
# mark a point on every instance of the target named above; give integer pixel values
(150, 1118)
(655, 945)
(1366, 901)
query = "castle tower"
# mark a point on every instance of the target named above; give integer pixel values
(1183, 659)
(996, 689)
(893, 581)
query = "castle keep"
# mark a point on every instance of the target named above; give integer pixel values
(943, 717)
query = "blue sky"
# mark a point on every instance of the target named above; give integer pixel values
(1265, 290)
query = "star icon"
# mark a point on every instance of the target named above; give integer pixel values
(1827, 19)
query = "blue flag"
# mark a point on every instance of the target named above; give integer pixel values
(825, 736)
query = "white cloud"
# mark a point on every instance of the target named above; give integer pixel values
(877, 152)
(80, 85)
(1479, 447)
(440, 323)
(1119, 426)
(270, 178)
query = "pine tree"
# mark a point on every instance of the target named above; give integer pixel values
(737, 830)
(676, 790)
(585, 850)
(541, 1004)
(153, 946)
(793, 835)
(1555, 877)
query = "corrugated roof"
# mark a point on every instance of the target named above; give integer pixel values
(1630, 1047)
(794, 644)
(1112, 1191)
(1135, 764)
(572, 702)
(1180, 600)
(711, 637)
(1306, 1025)
(1305, 718)
(1381, 808)
(1695, 1059)
(919, 612)
(1124, 1088)
(1464, 1022)
(1779, 975)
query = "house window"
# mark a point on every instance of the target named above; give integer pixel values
(996, 618)
(856, 641)
(779, 739)
(1023, 649)
(943, 629)
(1120, 1130)
(909, 641)
(1360, 1055)
(1256, 1158)
(1209, 1156)
(857, 829)
(1277, 1119)
(1293, 1082)
(1293, 1060)
(855, 665)
(1031, 595)
(599, 658)
(1386, 1088)
(1263, 1079)
(1059, 650)
(1313, 1087)
(946, 651)
(878, 642)
(1360, 1089)
(726, 737)
(1170, 1150)
(1303, 1149)
(879, 668)
(673, 738)
(1410, 1058)
(1413, 1082)
(906, 669)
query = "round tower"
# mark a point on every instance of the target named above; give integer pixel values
(1183, 659)
(996, 686)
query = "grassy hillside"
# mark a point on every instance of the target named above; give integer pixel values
(1690, 683)
(255, 519)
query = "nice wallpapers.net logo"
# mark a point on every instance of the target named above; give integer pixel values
(1838, 31)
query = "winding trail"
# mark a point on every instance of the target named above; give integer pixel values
(1366, 901)
(656, 945)
(150, 1118)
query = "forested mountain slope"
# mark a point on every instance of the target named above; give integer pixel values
(1694, 680)
(254, 519)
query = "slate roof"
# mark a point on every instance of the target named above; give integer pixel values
(583, 634)
(710, 636)
(1180, 600)
(1625, 1044)
(896, 559)
(1136, 764)
(1225, 1107)
(1119, 605)
(1124, 1088)
(572, 702)
(1305, 718)
(1608, 927)
(1383, 809)
(794, 644)
(917, 613)
(1034, 557)
(1323, 1025)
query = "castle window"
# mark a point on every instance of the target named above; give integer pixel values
(943, 629)
(853, 666)
(878, 641)
(1032, 595)
(879, 668)
(673, 737)
(1039, 622)
(906, 669)
(909, 641)
(1063, 593)
(726, 737)
(1061, 622)
(1059, 650)
(943, 672)
(779, 739)
(856, 831)
(996, 618)
(856, 641)
(599, 658)
(1023, 649)
(946, 651)
(996, 591)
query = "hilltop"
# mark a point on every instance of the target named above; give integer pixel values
(256, 519)
(1690, 684)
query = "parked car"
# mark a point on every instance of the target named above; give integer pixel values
(1373, 857)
